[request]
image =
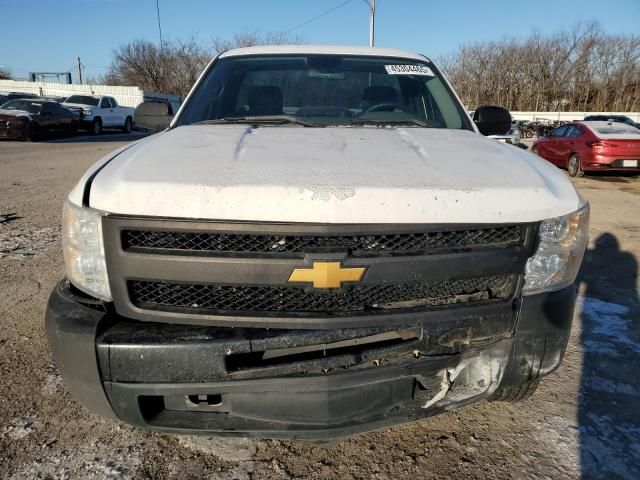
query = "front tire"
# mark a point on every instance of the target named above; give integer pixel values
(128, 125)
(33, 132)
(96, 127)
(574, 166)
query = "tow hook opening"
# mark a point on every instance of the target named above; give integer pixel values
(204, 400)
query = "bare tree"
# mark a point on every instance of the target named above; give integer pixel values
(5, 74)
(175, 68)
(252, 38)
(578, 70)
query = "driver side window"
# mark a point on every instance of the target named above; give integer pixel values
(559, 132)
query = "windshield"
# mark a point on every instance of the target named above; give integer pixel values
(324, 90)
(23, 105)
(83, 100)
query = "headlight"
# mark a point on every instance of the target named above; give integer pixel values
(87, 112)
(561, 245)
(17, 122)
(84, 251)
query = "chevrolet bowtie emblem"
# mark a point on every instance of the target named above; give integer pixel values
(327, 274)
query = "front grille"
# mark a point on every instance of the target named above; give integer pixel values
(211, 299)
(356, 245)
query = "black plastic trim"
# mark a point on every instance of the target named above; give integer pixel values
(72, 323)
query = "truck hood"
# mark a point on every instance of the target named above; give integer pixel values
(328, 175)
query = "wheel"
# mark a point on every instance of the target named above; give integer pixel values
(573, 166)
(96, 127)
(515, 393)
(128, 125)
(33, 132)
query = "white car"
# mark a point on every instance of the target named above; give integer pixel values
(320, 242)
(513, 136)
(100, 112)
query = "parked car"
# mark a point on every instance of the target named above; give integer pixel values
(33, 119)
(6, 96)
(591, 146)
(101, 112)
(53, 98)
(319, 243)
(611, 118)
(513, 136)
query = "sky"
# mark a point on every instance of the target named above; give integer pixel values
(52, 33)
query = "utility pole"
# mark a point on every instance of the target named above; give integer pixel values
(79, 71)
(372, 21)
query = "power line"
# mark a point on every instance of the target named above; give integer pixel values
(318, 16)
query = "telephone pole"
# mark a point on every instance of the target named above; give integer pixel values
(79, 71)
(372, 21)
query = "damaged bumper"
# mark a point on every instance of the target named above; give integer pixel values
(295, 383)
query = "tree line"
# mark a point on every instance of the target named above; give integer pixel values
(581, 69)
(174, 67)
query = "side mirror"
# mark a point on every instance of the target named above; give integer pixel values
(492, 120)
(153, 115)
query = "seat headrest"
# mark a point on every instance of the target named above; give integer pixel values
(378, 94)
(265, 100)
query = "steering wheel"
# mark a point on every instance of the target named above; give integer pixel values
(380, 107)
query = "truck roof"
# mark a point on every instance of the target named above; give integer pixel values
(322, 49)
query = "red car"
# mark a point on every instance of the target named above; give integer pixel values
(592, 146)
(33, 119)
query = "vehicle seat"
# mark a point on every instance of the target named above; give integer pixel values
(379, 94)
(265, 100)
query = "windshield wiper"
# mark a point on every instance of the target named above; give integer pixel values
(256, 119)
(394, 123)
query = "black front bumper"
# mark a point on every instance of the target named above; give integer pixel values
(272, 383)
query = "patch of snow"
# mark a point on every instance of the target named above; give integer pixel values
(20, 427)
(602, 452)
(94, 461)
(226, 448)
(609, 322)
(606, 385)
(53, 384)
(560, 436)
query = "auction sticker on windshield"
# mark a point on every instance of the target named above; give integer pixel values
(409, 70)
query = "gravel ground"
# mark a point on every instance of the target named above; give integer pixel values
(582, 422)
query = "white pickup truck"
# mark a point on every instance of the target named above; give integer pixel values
(320, 242)
(98, 113)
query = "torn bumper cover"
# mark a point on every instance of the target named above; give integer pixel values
(306, 384)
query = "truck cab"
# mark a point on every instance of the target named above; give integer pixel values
(320, 242)
(100, 112)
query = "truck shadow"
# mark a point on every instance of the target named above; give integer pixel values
(609, 396)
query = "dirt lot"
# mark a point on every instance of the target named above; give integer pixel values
(583, 421)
